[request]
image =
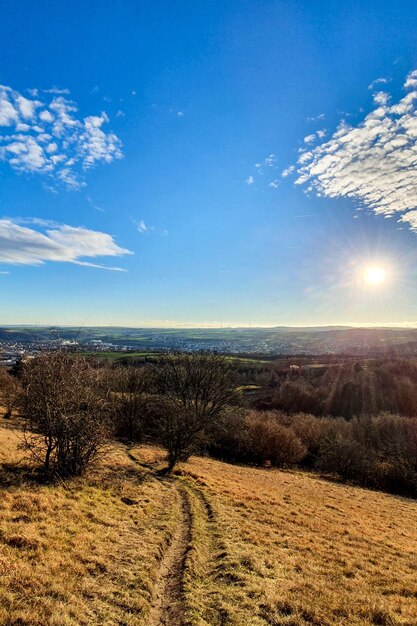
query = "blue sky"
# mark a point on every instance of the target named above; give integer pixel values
(189, 163)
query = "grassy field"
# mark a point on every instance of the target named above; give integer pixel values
(213, 545)
(116, 356)
(150, 355)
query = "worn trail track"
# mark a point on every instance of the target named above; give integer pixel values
(167, 601)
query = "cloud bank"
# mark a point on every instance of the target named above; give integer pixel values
(50, 241)
(374, 162)
(44, 135)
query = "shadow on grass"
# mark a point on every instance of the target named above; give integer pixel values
(14, 475)
(17, 475)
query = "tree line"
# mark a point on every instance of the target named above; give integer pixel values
(72, 407)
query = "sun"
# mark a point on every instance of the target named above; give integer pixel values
(374, 275)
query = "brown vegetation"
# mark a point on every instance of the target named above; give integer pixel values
(192, 390)
(83, 552)
(10, 390)
(210, 544)
(66, 417)
(214, 545)
(378, 452)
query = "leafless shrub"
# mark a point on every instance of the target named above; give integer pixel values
(66, 417)
(10, 390)
(193, 391)
(343, 456)
(129, 387)
(271, 441)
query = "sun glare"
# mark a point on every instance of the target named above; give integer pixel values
(374, 276)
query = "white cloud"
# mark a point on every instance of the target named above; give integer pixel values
(411, 218)
(27, 107)
(46, 116)
(142, 228)
(48, 138)
(56, 91)
(315, 118)
(145, 229)
(380, 97)
(274, 184)
(270, 160)
(374, 162)
(94, 205)
(250, 180)
(21, 245)
(411, 82)
(313, 136)
(378, 81)
(95, 145)
(310, 138)
(8, 114)
(289, 170)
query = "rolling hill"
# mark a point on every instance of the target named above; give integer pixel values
(213, 545)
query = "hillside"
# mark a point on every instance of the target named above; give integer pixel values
(214, 545)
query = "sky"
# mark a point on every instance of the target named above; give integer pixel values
(182, 163)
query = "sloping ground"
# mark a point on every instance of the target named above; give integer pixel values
(285, 548)
(214, 545)
(83, 553)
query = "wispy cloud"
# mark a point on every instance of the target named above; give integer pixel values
(50, 241)
(270, 160)
(142, 228)
(263, 167)
(145, 229)
(378, 81)
(94, 205)
(374, 162)
(316, 118)
(313, 136)
(57, 91)
(289, 170)
(44, 135)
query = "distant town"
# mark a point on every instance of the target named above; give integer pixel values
(17, 342)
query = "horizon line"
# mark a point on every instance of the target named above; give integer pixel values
(405, 325)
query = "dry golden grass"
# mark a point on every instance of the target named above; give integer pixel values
(249, 547)
(77, 553)
(287, 548)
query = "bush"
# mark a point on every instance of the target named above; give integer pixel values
(344, 457)
(229, 437)
(194, 390)
(66, 417)
(310, 430)
(129, 386)
(271, 441)
(10, 391)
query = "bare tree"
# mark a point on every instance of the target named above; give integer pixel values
(66, 416)
(10, 390)
(194, 389)
(129, 394)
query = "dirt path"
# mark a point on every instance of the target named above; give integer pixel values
(167, 606)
